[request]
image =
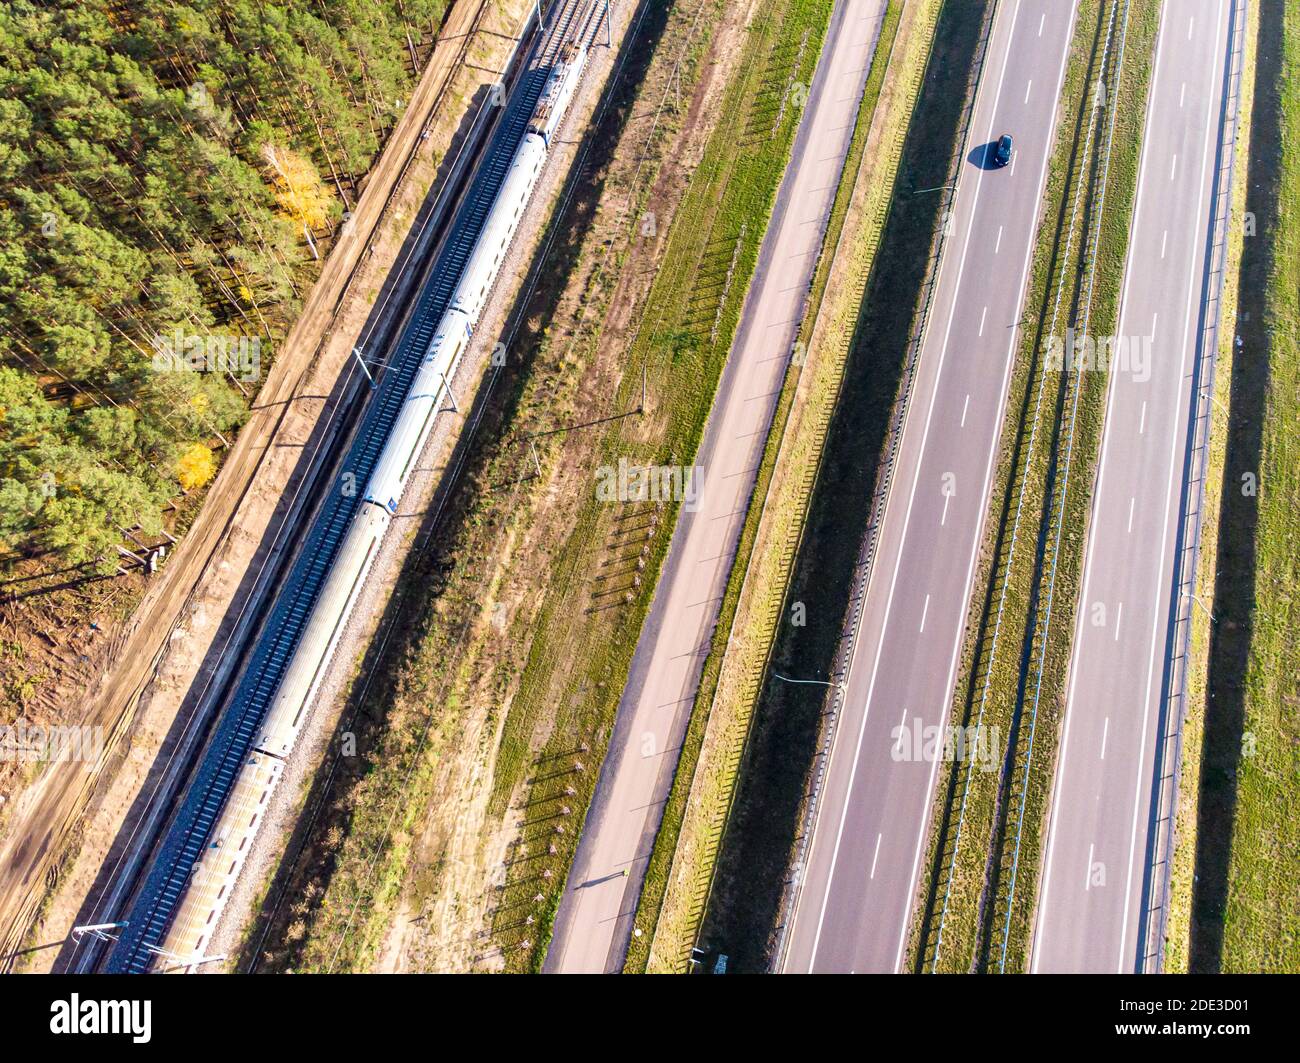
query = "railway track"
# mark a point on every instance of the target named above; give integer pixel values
(156, 885)
(282, 889)
(377, 329)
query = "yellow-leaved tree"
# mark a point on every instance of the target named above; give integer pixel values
(298, 187)
(195, 467)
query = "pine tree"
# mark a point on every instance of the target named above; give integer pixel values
(163, 167)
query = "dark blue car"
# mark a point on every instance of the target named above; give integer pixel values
(1002, 153)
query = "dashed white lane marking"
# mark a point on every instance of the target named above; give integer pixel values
(1132, 502)
(839, 833)
(1027, 88)
(1041, 19)
(1087, 873)
(1182, 95)
(998, 246)
(877, 855)
(1105, 730)
(943, 519)
(983, 314)
(902, 727)
(1173, 167)
(1069, 28)
(964, 408)
(1119, 618)
(1164, 242)
(925, 611)
(1142, 425)
(1191, 26)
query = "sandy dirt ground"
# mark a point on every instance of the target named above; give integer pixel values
(425, 489)
(166, 647)
(459, 856)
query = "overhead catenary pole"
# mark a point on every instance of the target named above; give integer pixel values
(450, 394)
(99, 931)
(357, 351)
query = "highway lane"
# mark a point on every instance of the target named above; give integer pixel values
(593, 925)
(860, 874)
(1090, 915)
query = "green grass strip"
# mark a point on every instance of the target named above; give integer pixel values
(1261, 921)
(705, 784)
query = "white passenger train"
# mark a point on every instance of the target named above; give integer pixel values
(213, 877)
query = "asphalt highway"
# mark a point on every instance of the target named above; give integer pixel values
(859, 879)
(1091, 913)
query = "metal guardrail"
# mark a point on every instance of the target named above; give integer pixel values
(1170, 749)
(884, 476)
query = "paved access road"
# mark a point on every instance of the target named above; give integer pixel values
(860, 875)
(593, 926)
(1091, 906)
